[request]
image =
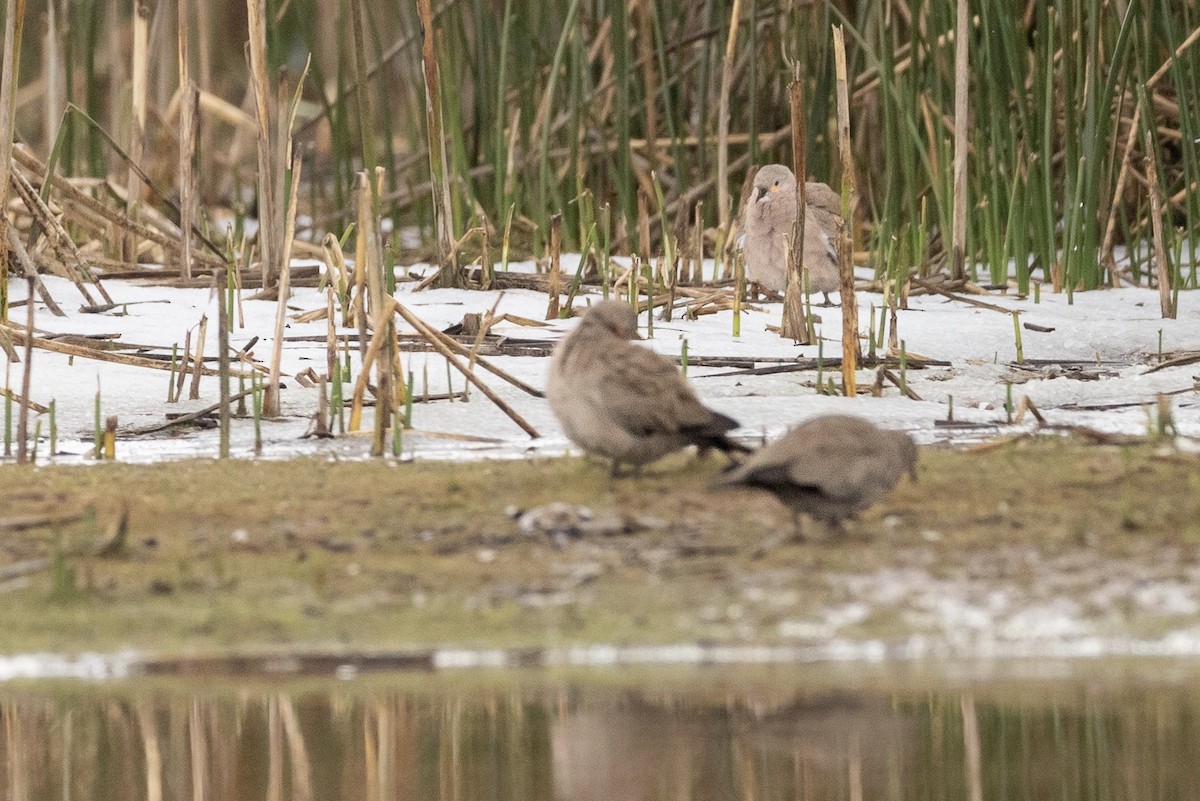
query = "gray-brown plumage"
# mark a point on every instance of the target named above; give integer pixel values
(618, 400)
(830, 468)
(770, 214)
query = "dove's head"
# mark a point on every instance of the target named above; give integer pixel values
(615, 316)
(772, 181)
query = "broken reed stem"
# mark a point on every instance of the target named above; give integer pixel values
(449, 274)
(198, 361)
(137, 128)
(23, 413)
(219, 282)
(431, 336)
(14, 20)
(555, 269)
(958, 238)
(727, 66)
(181, 376)
(1016, 318)
(850, 346)
(110, 437)
(1162, 268)
(795, 325)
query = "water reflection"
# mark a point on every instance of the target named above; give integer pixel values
(381, 742)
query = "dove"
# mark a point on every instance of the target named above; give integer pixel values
(830, 468)
(619, 400)
(769, 216)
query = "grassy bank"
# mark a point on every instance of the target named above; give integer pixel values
(249, 555)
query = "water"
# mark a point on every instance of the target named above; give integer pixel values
(762, 735)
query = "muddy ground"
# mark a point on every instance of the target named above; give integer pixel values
(1038, 540)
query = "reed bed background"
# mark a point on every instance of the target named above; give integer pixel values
(576, 107)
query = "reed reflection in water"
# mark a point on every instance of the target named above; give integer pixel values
(379, 743)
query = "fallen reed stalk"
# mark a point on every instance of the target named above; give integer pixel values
(440, 346)
(19, 336)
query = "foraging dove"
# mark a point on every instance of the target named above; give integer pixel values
(831, 468)
(770, 214)
(619, 400)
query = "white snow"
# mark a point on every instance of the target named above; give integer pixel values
(1115, 333)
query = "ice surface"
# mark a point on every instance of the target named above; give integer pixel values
(1114, 334)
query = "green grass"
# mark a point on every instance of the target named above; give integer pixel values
(260, 555)
(545, 103)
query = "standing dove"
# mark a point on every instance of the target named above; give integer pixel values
(830, 468)
(622, 401)
(770, 214)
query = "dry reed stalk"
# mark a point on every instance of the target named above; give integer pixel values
(1110, 228)
(26, 386)
(197, 751)
(221, 281)
(181, 376)
(331, 340)
(958, 237)
(1162, 268)
(139, 73)
(59, 238)
(643, 224)
(191, 417)
(187, 140)
(727, 65)
(643, 13)
(270, 182)
(110, 437)
(82, 209)
(301, 785)
(198, 361)
(439, 166)
(381, 315)
(462, 350)
(795, 322)
(271, 393)
(53, 69)
(555, 271)
(851, 354)
(17, 247)
(36, 408)
(14, 20)
(431, 335)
